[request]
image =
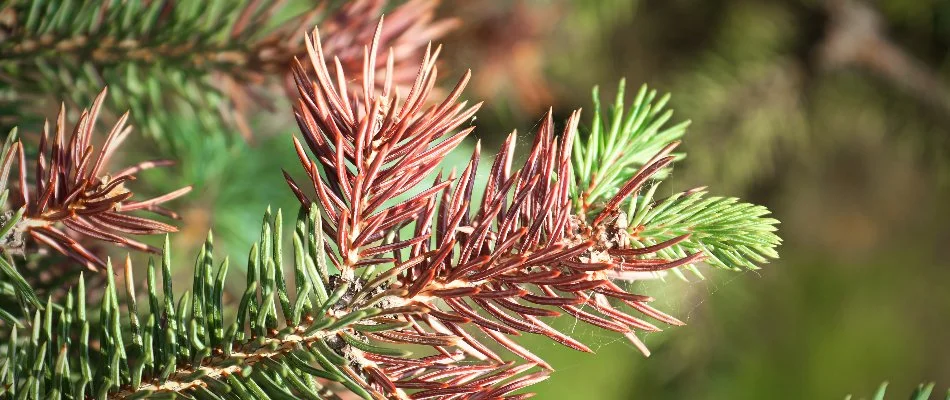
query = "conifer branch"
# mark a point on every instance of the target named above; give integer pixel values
(209, 54)
(619, 142)
(71, 189)
(272, 346)
(391, 255)
(682, 229)
(519, 255)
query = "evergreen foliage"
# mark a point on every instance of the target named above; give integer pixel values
(728, 233)
(165, 59)
(385, 297)
(922, 392)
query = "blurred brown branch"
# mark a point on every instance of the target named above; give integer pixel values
(855, 37)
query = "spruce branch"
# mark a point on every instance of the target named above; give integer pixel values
(273, 348)
(402, 285)
(680, 230)
(211, 55)
(619, 142)
(730, 234)
(489, 271)
(71, 189)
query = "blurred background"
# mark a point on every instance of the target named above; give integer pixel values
(833, 113)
